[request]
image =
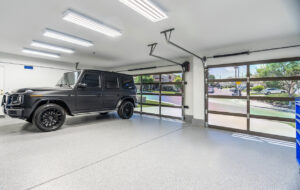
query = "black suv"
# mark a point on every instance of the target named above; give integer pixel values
(76, 92)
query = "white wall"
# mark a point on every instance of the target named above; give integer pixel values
(44, 73)
(198, 89)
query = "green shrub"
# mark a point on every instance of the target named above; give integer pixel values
(258, 88)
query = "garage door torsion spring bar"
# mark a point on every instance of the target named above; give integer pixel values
(168, 34)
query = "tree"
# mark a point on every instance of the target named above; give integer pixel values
(147, 79)
(284, 69)
(211, 77)
(178, 78)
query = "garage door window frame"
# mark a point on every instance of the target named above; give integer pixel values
(160, 94)
(248, 79)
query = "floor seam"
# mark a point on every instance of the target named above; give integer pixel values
(106, 158)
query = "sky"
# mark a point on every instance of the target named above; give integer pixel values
(229, 72)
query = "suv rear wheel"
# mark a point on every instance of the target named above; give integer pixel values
(49, 117)
(126, 109)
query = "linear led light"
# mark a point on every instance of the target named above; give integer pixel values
(90, 23)
(51, 47)
(146, 8)
(66, 37)
(42, 53)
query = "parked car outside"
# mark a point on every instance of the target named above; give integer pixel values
(268, 91)
(211, 90)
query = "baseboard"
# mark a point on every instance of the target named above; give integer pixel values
(188, 118)
(198, 122)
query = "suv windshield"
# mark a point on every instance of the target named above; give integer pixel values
(69, 79)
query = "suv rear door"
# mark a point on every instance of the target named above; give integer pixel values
(89, 97)
(111, 90)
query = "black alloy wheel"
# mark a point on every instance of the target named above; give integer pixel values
(49, 117)
(126, 110)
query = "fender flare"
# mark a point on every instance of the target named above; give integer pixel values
(126, 98)
(55, 101)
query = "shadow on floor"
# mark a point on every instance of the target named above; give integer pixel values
(9, 126)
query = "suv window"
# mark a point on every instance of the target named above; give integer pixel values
(127, 82)
(91, 80)
(111, 82)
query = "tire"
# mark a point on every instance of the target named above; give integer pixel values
(104, 113)
(282, 92)
(49, 117)
(126, 109)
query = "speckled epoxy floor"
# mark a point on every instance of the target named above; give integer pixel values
(105, 152)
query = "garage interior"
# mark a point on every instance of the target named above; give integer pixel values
(216, 83)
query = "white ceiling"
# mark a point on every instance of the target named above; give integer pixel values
(201, 25)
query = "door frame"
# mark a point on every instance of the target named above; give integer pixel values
(3, 85)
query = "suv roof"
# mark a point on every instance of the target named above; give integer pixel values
(106, 72)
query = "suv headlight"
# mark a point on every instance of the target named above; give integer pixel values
(16, 99)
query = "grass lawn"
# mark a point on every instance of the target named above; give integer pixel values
(270, 112)
(155, 102)
(165, 92)
(273, 95)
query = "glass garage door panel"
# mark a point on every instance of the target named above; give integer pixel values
(137, 79)
(137, 108)
(283, 109)
(227, 105)
(174, 112)
(226, 121)
(151, 109)
(150, 99)
(171, 89)
(227, 88)
(281, 69)
(172, 77)
(150, 78)
(281, 128)
(150, 88)
(171, 100)
(231, 72)
(280, 88)
(138, 88)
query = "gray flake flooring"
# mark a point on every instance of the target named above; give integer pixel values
(105, 152)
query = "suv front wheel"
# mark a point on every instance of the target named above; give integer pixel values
(126, 109)
(49, 117)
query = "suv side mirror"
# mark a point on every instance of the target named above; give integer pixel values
(82, 85)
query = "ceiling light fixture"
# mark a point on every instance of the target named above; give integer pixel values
(42, 53)
(146, 8)
(90, 23)
(68, 38)
(51, 47)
